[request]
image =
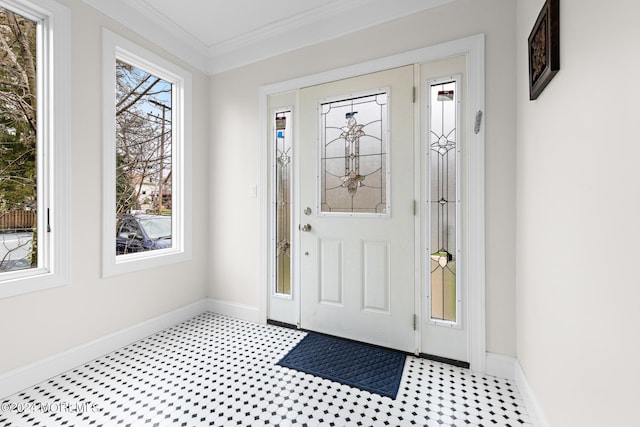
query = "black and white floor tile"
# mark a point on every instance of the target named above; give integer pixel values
(213, 370)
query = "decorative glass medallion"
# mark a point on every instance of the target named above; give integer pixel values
(283, 177)
(354, 147)
(444, 153)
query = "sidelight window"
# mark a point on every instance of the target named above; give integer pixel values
(284, 185)
(444, 199)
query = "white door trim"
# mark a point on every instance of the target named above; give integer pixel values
(473, 47)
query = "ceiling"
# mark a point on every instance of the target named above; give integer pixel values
(220, 35)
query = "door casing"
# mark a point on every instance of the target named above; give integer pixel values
(474, 48)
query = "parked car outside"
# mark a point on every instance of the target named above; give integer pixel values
(138, 233)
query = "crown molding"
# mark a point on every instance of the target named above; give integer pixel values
(290, 25)
(333, 20)
(310, 28)
(155, 28)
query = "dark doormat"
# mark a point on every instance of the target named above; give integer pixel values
(363, 366)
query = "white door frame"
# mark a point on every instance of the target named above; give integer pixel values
(473, 47)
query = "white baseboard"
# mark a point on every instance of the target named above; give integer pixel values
(531, 402)
(509, 368)
(232, 309)
(24, 377)
(500, 366)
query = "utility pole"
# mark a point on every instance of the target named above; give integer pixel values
(161, 168)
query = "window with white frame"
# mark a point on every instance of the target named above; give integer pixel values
(146, 158)
(34, 145)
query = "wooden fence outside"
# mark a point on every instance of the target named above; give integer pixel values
(17, 220)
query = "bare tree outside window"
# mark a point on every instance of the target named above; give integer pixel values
(143, 160)
(18, 142)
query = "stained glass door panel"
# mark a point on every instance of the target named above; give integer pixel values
(354, 147)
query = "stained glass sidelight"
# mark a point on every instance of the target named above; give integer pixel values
(443, 199)
(354, 147)
(283, 177)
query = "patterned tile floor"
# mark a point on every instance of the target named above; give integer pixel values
(213, 370)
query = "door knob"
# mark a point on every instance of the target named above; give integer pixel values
(306, 227)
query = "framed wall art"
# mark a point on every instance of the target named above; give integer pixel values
(544, 48)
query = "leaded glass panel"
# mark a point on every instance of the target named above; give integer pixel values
(283, 179)
(443, 199)
(354, 147)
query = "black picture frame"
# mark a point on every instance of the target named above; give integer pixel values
(544, 48)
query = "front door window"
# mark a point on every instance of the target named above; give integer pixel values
(354, 148)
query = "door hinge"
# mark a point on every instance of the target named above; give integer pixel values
(415, 322)
(415, 207)
(414, 94)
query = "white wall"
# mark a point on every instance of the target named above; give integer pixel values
(235, 150)
(578, 210)
(43, 323)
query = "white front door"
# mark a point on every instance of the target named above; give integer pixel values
(356, 194)
(352, 273)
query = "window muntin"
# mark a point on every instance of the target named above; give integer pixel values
(166, 114)
(41, 220)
